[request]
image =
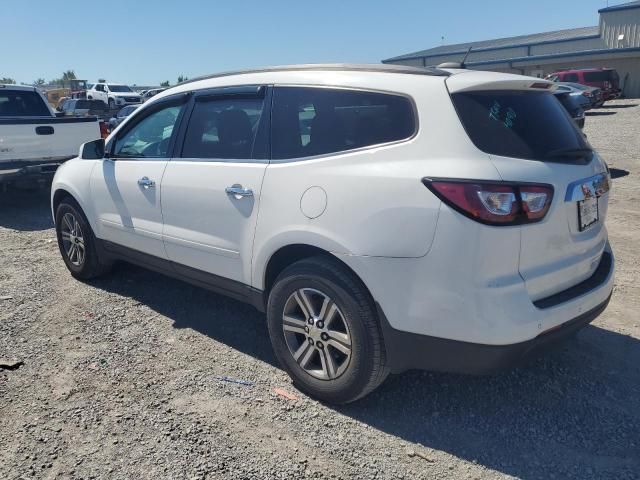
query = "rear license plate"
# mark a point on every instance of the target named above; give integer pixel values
(587, 212)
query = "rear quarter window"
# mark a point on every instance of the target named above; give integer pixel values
(22, 104)
(518, 124)
(315, 121)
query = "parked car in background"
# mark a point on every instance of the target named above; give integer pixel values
(593, 94)
(150, 93)
(122, 114)
(113, 94)
(76, 107)
(574, 104)
(606, 79)
(33, 140)
(581, 99)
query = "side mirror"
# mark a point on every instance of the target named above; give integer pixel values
(92, 150)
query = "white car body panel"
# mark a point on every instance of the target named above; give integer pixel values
(126, 213)
(204, 227)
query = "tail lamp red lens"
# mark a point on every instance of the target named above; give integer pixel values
(494, 203)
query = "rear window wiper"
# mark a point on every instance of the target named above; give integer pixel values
(569, 152)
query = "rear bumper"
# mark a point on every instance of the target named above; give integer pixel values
(29, 170)
(406, 351)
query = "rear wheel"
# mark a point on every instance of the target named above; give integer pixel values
(324, 331)
(77, 243)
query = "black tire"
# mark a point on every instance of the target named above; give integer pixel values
(366, 368)
(92, 265)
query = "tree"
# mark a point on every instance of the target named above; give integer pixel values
(64, 80)
(7, 80)
(165, 83)
(102, 80)
(182, 78)
(39, 82)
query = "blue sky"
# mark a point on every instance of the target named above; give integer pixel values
(145, 42)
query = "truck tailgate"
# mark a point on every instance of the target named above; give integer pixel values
(28, 141)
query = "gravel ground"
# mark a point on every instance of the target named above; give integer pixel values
(122, 377)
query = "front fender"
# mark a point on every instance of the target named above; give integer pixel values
(74, 177)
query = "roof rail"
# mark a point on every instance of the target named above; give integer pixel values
(383, 68)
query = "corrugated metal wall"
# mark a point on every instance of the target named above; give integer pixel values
(621, 22)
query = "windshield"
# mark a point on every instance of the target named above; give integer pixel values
(119, 88)
(528, 125)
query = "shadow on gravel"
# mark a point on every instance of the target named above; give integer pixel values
(233, 323)
(591, 113)
(25, 210)
(572, 414)
(622, 105)
(618, 173)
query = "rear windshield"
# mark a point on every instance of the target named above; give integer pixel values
(528, 125)
(22, 104)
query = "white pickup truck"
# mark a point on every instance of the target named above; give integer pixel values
(33, 140)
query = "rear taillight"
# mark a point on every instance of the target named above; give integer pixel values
(494, 203)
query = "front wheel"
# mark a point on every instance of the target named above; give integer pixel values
(324, 331)
(77, 243)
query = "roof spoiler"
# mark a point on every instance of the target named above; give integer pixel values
(474, 80)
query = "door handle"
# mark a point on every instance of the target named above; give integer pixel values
(44, 130)
(145, 183)
(238, 191)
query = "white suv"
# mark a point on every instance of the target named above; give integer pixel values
(114, 94)
(384, 217)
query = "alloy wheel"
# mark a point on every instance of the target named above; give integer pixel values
(72, 239)
(316, 334)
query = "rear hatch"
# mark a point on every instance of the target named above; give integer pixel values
(530, 137)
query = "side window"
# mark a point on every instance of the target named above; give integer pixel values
(315, 121)
(149, 137)
(223, 128)
(571, 77)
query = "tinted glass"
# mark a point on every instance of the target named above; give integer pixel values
(602, 76)
(151, 136)
(315, 121)
(83, 104)
(22, 104)
(530, 125)
(119, 88)
(570, 77)
(223, 128)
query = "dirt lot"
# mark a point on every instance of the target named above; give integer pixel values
(121, 377)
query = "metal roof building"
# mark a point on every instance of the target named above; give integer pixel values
(615, 43)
